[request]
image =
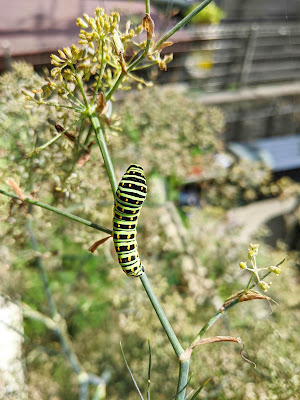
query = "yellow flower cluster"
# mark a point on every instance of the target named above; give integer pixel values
(252, 250)
(252, 253)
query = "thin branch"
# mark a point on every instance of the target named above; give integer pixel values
(38, 149)
(221, 311)
(131, 374)
(58, 211)
(80, 85)
(103, 64)
(73, 96)
(111, 91)
(43, 275)
(149, 371)
(57, 105)
(181, 23)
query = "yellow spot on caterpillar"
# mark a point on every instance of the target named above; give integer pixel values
(120, 260)
(137, 202)
(118, 248)
(129, 184)
(118, 226)
(131, 219)
(129, 227)
(133, 212)
(120, 217)
(128, 247)
(118, 236)
(128, 236)
(122, 183)
(132, 270)
(134, 172)
(129, 258)
(123, 209)
(126, 199)
(142, 188)
(119, 195)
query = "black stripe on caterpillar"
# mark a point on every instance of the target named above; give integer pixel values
(130, 196)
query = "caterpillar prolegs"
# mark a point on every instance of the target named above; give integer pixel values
(130, 196)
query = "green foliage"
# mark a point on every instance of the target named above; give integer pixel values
(212, 14)
(163, 131)
(100, 305)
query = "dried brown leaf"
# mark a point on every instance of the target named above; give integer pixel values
(216, 339)
(16, 188)
(164, 45)
(70, 136)
(95, 246)
(102, 106)
(148, 25)
(86, 155)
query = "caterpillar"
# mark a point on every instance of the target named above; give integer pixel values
(130, 196)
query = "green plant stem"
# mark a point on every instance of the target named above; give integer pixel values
(38, 149)
(161, 315)
(184, 368)
(59, 327)
(250, 280)
(60, 212)
(181, 23)
(80, 85)
(104, 151)
(111, 91)
(220, 313)
(73, 96)
(86, 141)
(166, 36)
(43, 275)
(183, 372)
(133, 65)
(147, 6)
(144, 66)
(57, 105)
(103, 64)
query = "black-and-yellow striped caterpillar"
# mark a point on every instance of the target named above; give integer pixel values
(130, 196)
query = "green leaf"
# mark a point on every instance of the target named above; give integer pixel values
(149, 371)
(134, 381)
(200, 388)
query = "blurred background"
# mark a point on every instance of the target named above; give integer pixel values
(218, 137)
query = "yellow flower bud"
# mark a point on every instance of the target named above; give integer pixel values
(264, 285)
(86, 17)
(106, 27)
(80, 22)
(243, 265)
(68, 52)
(62, 54)
(275, 269)
(92, 24)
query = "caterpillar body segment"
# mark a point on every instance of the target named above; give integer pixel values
(130, 196)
